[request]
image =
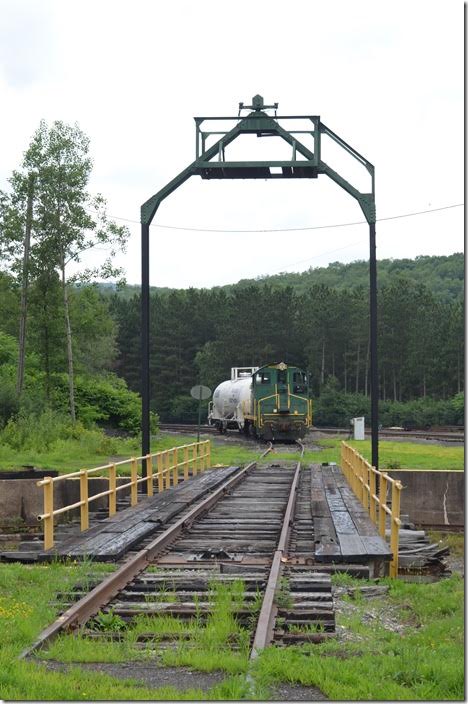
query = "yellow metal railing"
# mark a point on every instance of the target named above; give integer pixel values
(363, 479)
(191, 459)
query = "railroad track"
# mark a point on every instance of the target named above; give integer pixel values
(447, 436)
(243, 543)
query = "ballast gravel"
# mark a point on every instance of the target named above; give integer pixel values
(183, 678)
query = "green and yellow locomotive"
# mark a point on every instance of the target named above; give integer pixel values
(271, 402)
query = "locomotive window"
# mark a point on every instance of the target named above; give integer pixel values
(299, 378)
(282, 377)
(262, 378)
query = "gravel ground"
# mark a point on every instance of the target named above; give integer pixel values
(154, 675)
(148, 674)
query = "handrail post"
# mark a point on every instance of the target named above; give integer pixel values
(49, 513)
(382, 504)
(175, 470)
(195, 460)
(201, 448)
(84, 508)
(208, 453)
(149, 475)
(113, 490)
(372, 490)
(133, 479)
(168, 469)
(160, 468)
(395, 531)
(186, 462)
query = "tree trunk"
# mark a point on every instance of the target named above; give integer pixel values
(47, 357)
(358, 359)
(333, 363)
(24, 289)
(322, 371)
(395, 397)
(424, 384)
(71, 383)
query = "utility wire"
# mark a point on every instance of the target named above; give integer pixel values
(295, 229)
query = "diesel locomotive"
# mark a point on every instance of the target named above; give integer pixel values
(270, 402)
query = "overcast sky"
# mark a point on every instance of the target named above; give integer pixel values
(387, 77)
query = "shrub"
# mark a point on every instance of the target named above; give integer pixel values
(36, 431)
(104, 400)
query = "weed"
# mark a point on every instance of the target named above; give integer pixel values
(108, 621)
(344, 579)
(283, 598)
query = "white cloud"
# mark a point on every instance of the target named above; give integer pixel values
(388, 79)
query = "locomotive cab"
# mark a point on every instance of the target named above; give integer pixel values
(271, 402)
(282, 408)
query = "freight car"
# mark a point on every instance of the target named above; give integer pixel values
(270, 402)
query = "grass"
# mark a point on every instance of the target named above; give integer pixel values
(455, 541)
(25, 595)
(206, 645)
(405, 454)
(423, 663)
(72, 455)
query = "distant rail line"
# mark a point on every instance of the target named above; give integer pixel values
(448, 435)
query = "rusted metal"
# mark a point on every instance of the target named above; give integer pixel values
(266, 620)
(89, 605)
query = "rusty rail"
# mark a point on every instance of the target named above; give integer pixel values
(266, 620)
(104, 592)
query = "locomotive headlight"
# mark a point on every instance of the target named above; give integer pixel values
(295, 412)
(275, 410)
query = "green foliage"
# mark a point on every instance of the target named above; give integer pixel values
(49, 430)
(335, 408)
(108, 621)
(36, 431)
(184, 409)
(377, 663)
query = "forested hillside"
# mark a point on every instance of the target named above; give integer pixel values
(197, 335)
(443, 276)
(70, 350)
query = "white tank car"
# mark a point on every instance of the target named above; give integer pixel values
(232, 399)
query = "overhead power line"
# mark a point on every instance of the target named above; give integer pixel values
(294, 229)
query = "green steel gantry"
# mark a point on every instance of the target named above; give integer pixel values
(210, 163)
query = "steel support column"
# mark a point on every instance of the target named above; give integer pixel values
(145, 349)
(311, 166)
(373, 348)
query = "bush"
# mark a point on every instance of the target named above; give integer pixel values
(184, 409)
(104, 400)
(36, 431)
(335, 408)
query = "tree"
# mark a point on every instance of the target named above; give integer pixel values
(68, 221)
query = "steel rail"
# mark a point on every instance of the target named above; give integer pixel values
(266, 620)
(106, 590)
(452, 435)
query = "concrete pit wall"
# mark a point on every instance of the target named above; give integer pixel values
(22, 501)
(432, 497)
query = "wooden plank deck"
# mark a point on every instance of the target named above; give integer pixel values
(111, 539)
(342, 528)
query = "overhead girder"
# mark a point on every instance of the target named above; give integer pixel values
(260, 123)
(312, 165)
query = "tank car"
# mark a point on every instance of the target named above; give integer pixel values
(270, 402)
